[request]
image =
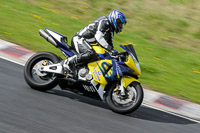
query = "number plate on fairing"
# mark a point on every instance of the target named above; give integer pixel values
(98, 69)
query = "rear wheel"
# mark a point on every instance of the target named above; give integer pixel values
(36, 79)
(127, 103)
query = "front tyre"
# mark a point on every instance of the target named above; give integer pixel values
(127, 103)
(36, 79)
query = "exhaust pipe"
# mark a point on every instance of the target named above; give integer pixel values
(46, 36)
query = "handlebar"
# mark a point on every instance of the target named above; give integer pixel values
(120, 56)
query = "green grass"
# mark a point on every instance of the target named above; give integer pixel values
(166, 34)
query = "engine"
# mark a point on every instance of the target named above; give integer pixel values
(84, 74)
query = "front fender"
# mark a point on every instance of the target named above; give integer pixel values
(127, 80)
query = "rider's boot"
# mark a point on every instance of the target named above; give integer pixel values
(69, 63)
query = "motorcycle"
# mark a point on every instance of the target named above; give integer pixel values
(112, 79)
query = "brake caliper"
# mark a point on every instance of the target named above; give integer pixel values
(45, 63)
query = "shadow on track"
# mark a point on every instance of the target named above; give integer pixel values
(143, 113)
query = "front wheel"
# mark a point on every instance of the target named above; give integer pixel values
(36, 79)
(127, 103)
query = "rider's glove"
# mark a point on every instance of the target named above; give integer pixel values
(114, 52)
(109, 48)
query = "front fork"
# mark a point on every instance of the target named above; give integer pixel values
(125, 81)
(121, 88)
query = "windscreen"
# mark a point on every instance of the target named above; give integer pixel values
(131, 51)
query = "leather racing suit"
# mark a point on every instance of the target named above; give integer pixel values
(99, 31)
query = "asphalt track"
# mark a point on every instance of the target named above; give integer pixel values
(23, 110)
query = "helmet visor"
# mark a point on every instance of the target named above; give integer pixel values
(119, 24)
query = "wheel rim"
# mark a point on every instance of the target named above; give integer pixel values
(128, 100)
(41, 77)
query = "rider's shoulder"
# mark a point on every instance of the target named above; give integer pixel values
(101, 18)
(102, 22)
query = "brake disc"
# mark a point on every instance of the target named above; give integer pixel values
(39, 66)
(131, 94)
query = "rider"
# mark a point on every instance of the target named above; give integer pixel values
(100, 31)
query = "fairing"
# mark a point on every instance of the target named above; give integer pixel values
(130, 67)
(132, 61)
(102, 53)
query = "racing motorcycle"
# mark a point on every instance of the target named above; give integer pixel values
(112, 78)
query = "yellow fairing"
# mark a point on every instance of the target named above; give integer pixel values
(130, 63)
(97, 68)
(127, 80)
(99, 49)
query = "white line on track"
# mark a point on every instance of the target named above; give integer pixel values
(171, 113)
(142, 104)
(12, 61)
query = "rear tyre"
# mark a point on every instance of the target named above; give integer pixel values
(34, 78)
(128, 103)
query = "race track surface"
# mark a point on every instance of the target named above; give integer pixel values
(23, 110)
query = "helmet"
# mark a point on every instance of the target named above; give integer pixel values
(117, 19)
